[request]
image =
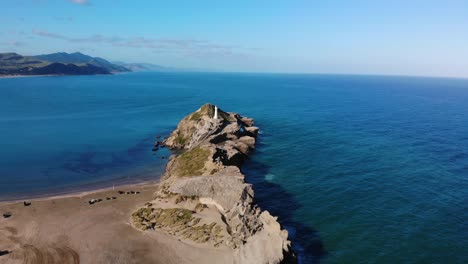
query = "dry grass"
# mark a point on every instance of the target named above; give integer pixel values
(178, 221)
(191, 163)
(180, 139)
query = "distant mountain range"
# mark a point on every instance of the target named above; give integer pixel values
(144, 67)
(80, 58)
(61, 63)
(56, 64)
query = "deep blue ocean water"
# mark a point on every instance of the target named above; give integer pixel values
(360, 169)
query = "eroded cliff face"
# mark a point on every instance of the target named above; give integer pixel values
(203, 197)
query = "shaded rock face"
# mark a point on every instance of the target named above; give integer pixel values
(211, 153)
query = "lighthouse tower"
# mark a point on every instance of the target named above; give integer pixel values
(216, 113)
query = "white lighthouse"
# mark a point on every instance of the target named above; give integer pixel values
(216, 113)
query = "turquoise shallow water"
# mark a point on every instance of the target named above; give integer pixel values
(360, 169)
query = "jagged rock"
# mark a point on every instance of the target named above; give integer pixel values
(242, 147)
(253, 130)
(248, 121)
(222, 191)
(228, 155)
(207, 166)
(198, 126)
(249, 141)
(194, 128)
(269, 245)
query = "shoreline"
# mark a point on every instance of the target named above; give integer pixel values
(48, 75)
(78, 193)
(137, 175)
(28, 76)
(200, 210)
(70, 230)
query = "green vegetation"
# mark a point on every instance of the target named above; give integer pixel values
(56, 64)
(178, 221)
(204, 233)
(207, 109)
(195, 116)
(191, 163)
(11, 62)
(81, 59)
(149, 218)
(180, 139)
(182, 198)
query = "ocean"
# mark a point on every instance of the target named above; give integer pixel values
(359, 169)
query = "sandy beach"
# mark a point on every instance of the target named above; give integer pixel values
(67, 229)
(28, 76)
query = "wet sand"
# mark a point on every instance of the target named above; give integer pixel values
(67, 229)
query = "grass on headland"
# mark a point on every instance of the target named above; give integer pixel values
(178, 221)
(191, 162)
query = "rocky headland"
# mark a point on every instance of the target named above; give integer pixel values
(202, 211)
(203, 198)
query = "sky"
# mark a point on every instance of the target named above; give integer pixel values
(428, 38)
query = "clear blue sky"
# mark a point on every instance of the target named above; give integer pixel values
(361, 37)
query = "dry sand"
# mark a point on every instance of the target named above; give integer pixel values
(68, 229)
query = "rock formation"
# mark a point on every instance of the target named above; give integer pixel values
(203, 197)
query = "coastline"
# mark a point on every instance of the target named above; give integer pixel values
(201, 206)
(135, 176)
(49, 75)
(68, 229)
(79, 193)
(28, 76)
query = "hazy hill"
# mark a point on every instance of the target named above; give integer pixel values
(144, 67)
(80, 58)
(13, 61)
(55, 64)
(62, 63)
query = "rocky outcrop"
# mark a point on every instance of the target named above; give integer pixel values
(204, 178)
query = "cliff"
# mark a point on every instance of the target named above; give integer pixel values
(203, 198)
